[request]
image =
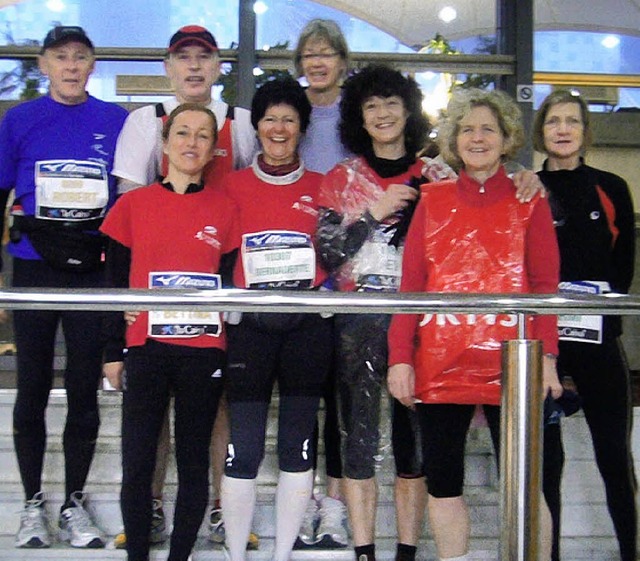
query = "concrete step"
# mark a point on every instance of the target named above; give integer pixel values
(600, 549)
(587, 529)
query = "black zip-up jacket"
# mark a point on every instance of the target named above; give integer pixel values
(595, 223)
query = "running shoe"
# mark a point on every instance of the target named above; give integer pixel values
(217, 533)
(77, 527)
(307, 537)
(332, 528)
(34, 528)
(158, 533)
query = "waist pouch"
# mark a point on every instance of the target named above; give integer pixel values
(63, 246)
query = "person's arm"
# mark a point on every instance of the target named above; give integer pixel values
(624, 250)
(543, 268)
(124, 186)
(243, 138)
(403, 327)
(117, 266)
(527, 182)
(8, 180)
(4, 198)
(338, 242)
(340, 239)
(135, 161)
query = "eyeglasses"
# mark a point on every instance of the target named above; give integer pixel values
(320, 57)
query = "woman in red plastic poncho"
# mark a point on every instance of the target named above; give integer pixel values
(469, 236)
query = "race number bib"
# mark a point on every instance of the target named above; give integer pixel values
(278, 259)
(70, 190)
(184, 324)
(583, 329)
(378, 265)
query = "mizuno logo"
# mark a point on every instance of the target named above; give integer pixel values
(184, 281)
(271, 238)
(73, 168)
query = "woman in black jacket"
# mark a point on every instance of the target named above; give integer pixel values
(594, 219)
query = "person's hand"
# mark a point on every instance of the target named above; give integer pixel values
(401, 382)
(394, 199)
(436, 169)
(131, 317)
(112, 371)
(4, 314)
(550, 381)
(528, 185)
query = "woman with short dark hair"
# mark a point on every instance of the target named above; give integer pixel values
(278, 214)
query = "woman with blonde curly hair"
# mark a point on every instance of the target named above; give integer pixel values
(469, 235)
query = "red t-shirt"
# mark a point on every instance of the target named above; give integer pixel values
(277, 225)
(176, 242)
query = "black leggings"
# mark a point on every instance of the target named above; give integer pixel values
(154, 373)
(444, 429)
(601, 376)
(330, 429)
(35, 335)
(260, 354)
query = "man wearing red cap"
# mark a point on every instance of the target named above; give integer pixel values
(192, 65)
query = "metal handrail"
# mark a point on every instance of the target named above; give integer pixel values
(283, 58)
(316, 301)
(521, 413)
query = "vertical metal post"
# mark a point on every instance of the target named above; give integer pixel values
(514, 35)
(521, 450)
(246, 53)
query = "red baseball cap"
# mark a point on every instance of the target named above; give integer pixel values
(192, 34)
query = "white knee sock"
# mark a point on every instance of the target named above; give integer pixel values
(461, 558)
(238, 498)
(292, 498)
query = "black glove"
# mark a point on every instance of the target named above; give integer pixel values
(401, 227)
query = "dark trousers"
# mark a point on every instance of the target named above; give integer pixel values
(154, 373)
(35, 335)
(331, 427)
(297, 359)
(553, 463)
(601, 376)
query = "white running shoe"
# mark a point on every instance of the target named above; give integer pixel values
(307, 535)
(332, 529)
(76, 526)
(34, 527)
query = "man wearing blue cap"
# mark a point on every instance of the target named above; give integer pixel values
(56, 154)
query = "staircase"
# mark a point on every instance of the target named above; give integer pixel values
(587, 529)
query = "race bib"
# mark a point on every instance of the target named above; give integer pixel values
(184, 324)
(378, 265)
(583, 329)
(70, 190)
(278, 259)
